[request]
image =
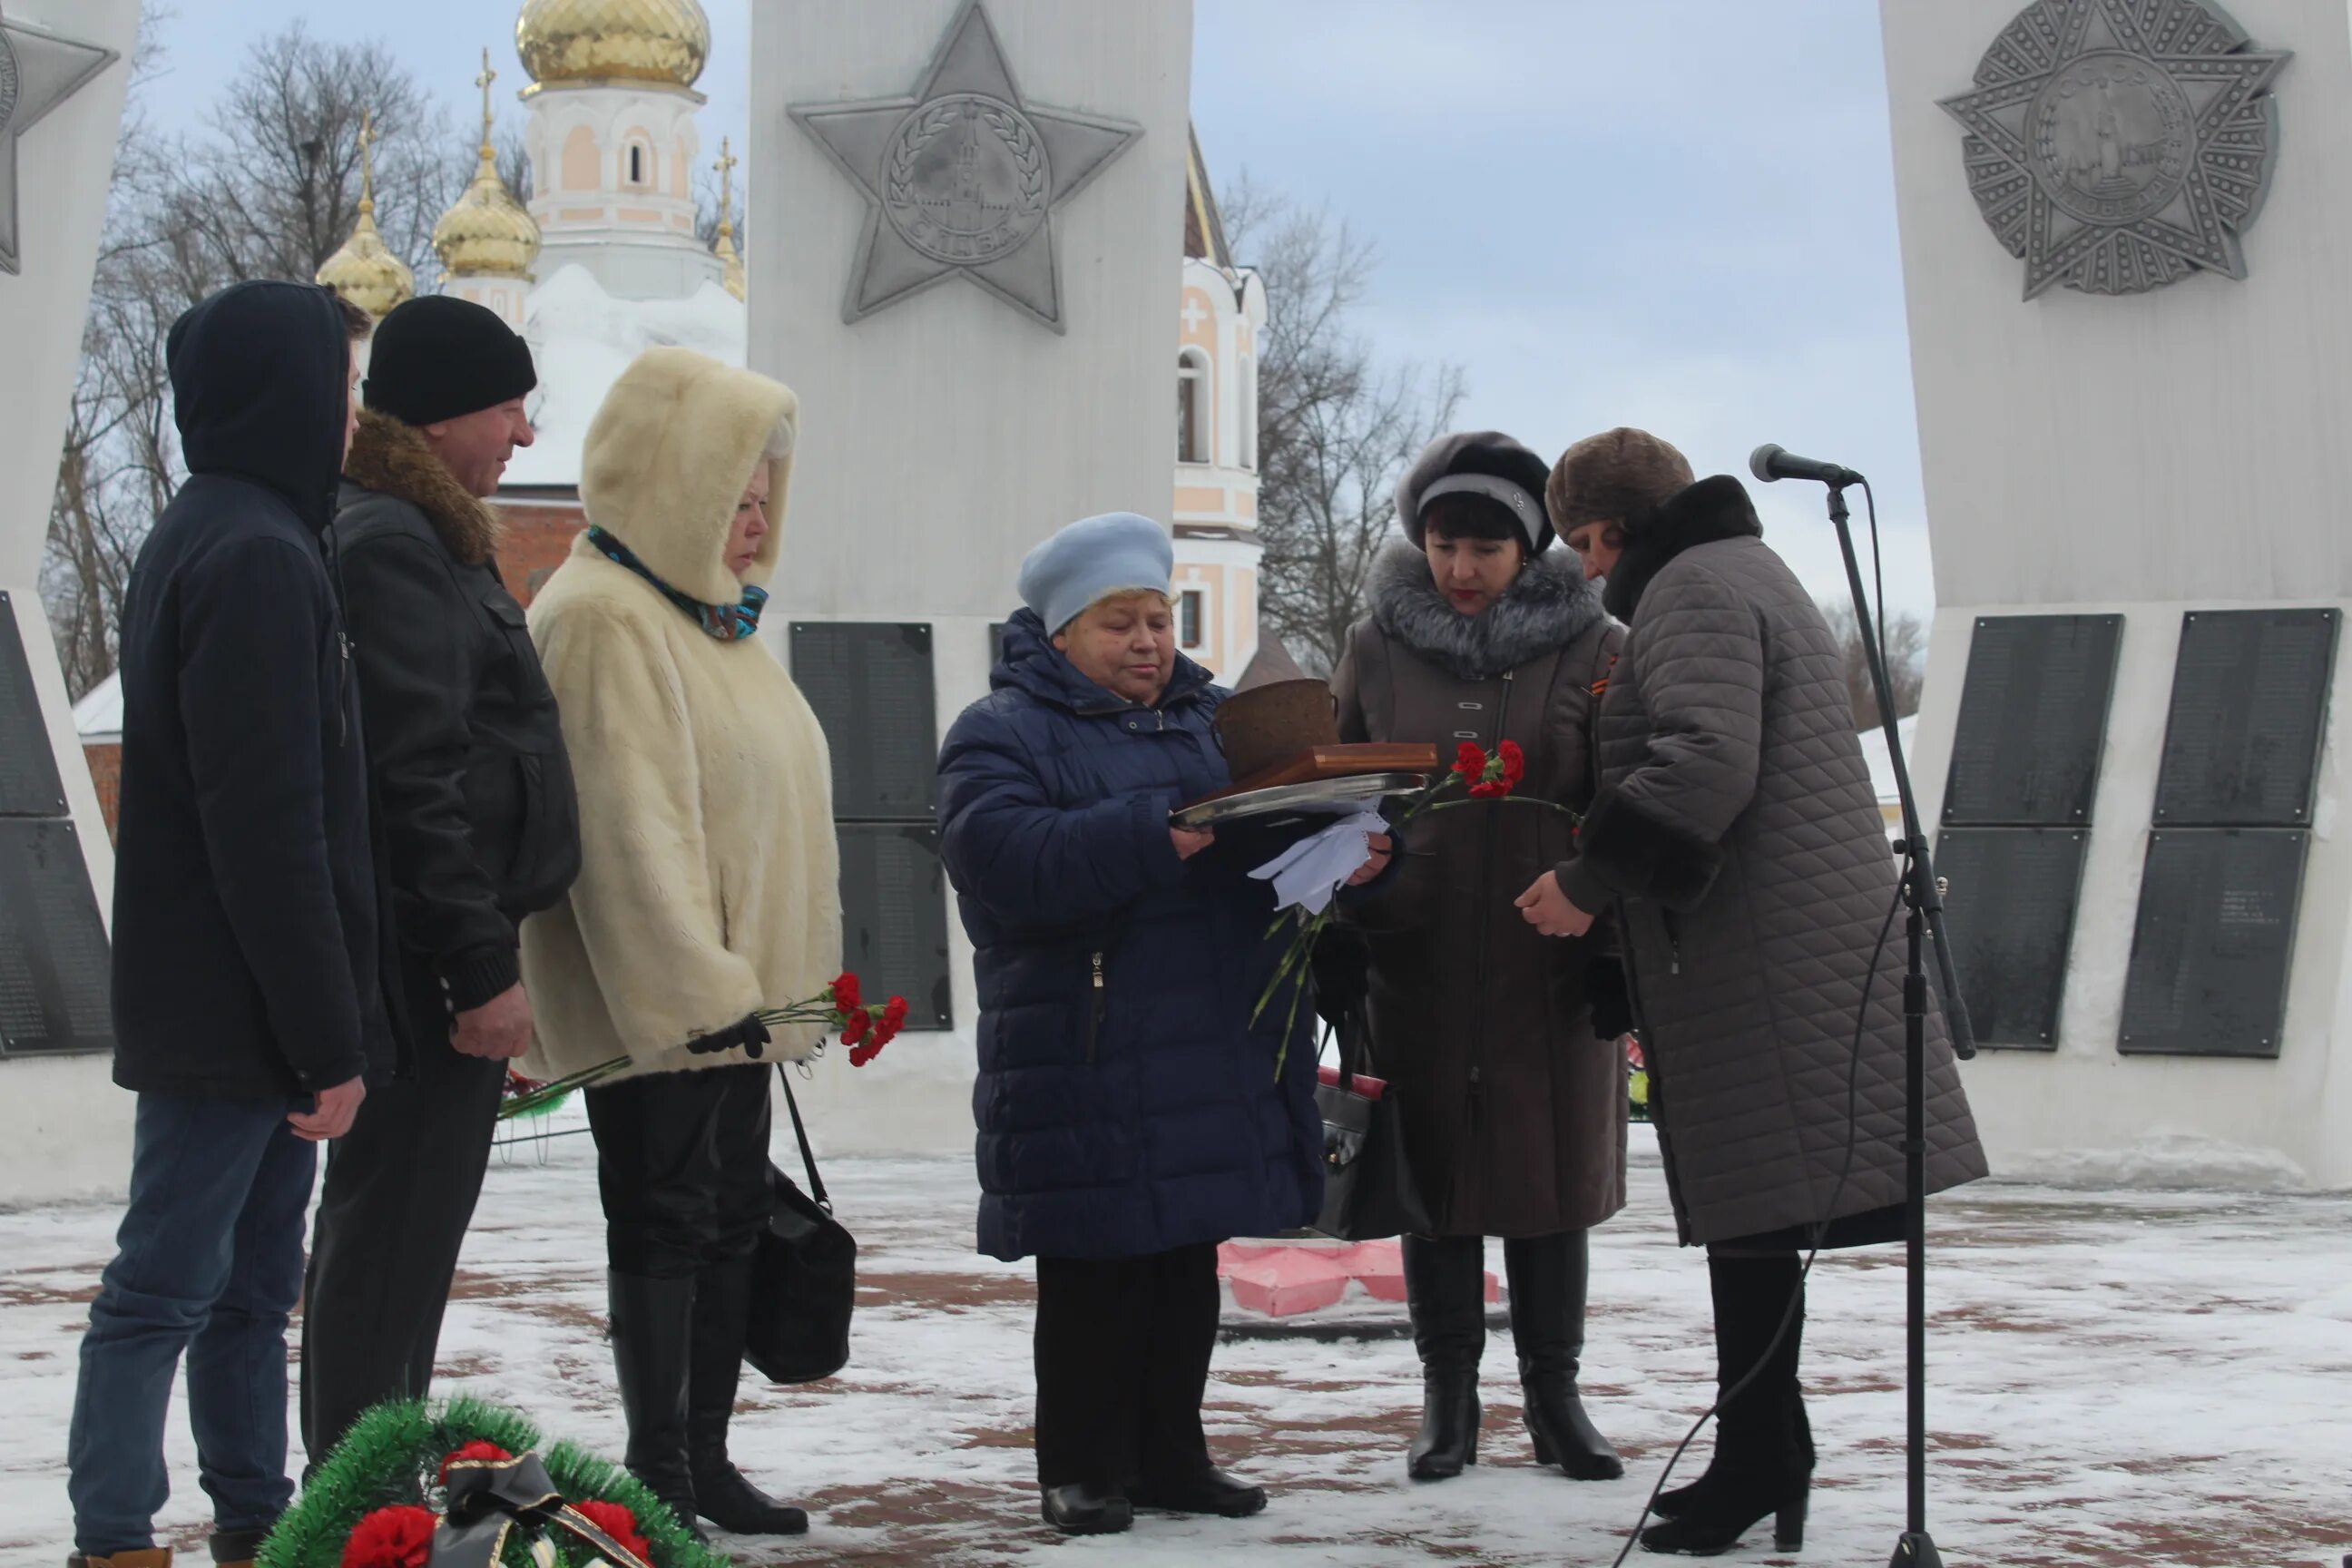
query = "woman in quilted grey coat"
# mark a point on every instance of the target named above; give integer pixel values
(1513, 1100)
(1737, 838)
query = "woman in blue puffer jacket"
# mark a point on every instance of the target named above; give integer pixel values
(1130, 1117)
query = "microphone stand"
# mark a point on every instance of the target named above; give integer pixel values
(1922, 895)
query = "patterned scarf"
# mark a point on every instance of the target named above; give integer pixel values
(728, 623)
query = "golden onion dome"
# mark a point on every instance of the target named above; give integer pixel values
(487, 232)
(666, 41)
(364, 271)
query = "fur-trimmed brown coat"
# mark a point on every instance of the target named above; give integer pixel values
(1736, 830)
(463, 745)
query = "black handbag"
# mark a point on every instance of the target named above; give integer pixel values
(804, 1276)
(1368, 1191)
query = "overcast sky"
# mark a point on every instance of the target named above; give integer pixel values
(1677, 214)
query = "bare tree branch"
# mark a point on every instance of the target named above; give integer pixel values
(1336, 427)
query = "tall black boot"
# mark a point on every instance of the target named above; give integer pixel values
(1445, 1289)
(1763, 1443)
(722, 1305)
(1547, 1276)
(652, 1327)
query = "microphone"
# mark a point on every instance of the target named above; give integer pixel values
(1770, 462)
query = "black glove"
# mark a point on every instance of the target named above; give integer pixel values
(1612, 1003)
(1341, 963)
(750, 1036)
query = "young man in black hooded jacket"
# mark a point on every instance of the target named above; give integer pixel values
(478, 806)
(248, 1014)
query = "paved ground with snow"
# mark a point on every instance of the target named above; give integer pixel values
(2144, 1379)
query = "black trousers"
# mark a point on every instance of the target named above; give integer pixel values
(1123, 1349)
(682, 1167)
(400, 1192)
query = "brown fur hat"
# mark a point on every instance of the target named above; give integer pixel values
(1614, 476)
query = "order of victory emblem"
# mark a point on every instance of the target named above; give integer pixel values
(2118, 145)
(38, 70)
(963, 177)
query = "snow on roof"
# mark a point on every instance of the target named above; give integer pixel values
(1882, 766)
(99, 715)
(584, 338)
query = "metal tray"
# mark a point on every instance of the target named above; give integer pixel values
(1323, 798)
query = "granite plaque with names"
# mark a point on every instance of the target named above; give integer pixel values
(29, 785)
(871, 686)
(894, 931)
(2249, 710)
(2213, 943)
(55, 968)
(2033, 720)
(2010, 913)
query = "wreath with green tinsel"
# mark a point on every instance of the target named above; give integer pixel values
(377, 1500)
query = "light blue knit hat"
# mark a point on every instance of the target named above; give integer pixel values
(1093, 558)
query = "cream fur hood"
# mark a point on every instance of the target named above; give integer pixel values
(667, 457)
(709, 880)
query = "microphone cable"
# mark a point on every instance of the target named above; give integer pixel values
(1853, 1111)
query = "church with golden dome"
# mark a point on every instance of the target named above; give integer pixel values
(605, 262)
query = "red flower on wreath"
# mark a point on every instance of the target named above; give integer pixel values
(476, 1450)
(846, 998)
(615, 1520)
(399, 1537)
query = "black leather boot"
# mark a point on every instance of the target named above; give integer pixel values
(1763, 1463)
(722, 1305)
(1547, 1276)
(1445, 1289)
(1081, 1510)
(653, 1328)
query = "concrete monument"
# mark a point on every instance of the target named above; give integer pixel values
(61, 90)
(1036, 148)
(2171, 459)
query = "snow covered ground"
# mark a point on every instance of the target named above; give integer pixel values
(2121, 1378)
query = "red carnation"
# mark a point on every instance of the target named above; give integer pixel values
(478, 1449)
(1515, 763)
(399, 1537)
(853, 1030)
(1470, 761)
(844, 994)
(860, 1055)
(618, 1522)
(893, 1013)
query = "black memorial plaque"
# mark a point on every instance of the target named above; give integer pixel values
(871, 686)
(2249, 709)
(2214, 940)
(894, 931)
(29, 785)
(2034, 720)
(55, 965)
(2009, 914)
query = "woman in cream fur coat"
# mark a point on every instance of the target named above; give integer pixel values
(708, 887)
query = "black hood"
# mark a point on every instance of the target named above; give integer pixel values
(259, 382)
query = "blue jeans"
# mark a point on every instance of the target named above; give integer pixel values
(209, 1261)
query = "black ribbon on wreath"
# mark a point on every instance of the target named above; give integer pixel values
(490, 1500)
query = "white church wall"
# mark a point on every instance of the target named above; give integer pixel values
(2141, 456)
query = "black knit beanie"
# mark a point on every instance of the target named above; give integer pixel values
(438, 357)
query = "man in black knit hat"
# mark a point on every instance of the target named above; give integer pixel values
(470, 776)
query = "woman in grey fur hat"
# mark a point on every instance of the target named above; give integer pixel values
(1503, 1046)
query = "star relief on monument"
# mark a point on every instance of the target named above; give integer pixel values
(2119, 145)
(963, 177)
(38, 70)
